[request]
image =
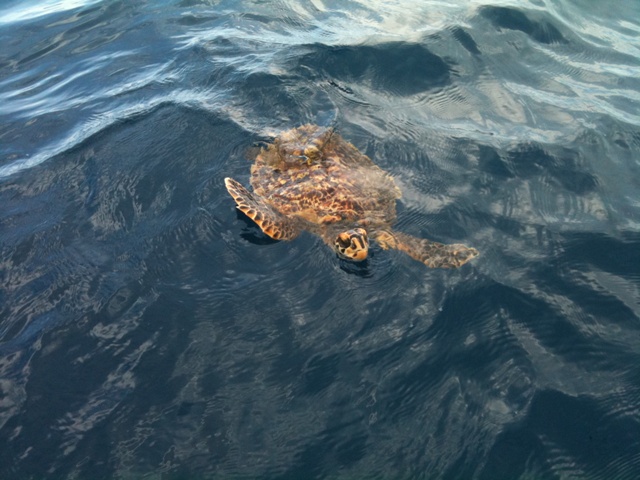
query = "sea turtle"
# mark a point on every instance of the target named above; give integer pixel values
(310, 178)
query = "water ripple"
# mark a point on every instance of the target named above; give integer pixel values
(22, 13)
(138, 306)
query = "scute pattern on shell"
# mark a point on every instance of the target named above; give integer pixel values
(340, 184)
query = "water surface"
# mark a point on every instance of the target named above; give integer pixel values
(149, 330)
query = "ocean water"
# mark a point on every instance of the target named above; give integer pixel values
(149, 330)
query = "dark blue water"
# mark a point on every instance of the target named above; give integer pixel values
(148, 330)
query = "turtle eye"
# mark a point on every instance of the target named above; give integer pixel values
(343, 240)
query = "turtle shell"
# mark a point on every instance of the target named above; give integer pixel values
(312, 173)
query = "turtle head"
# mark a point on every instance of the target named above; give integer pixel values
(353, 244)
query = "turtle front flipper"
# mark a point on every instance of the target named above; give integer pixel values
(432, 254)
(272, 222)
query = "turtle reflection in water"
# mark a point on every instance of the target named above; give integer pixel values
(311, 179)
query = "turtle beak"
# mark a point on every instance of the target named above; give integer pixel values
(353, 244)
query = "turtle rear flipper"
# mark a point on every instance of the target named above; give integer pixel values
(432, 254)
(272, 222)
